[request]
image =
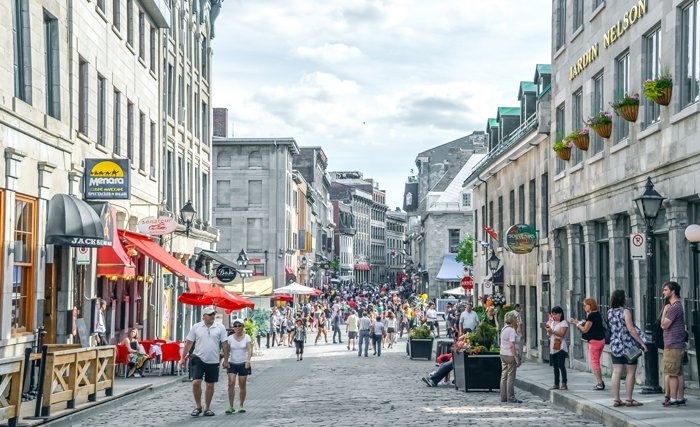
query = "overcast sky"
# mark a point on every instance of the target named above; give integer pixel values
(374, 82)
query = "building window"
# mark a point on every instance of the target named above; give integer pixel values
(205, 124)
(224, 225)
(153, 148)
(622, 87)
(142, 35)
(205, 58)
(597, 3)
(23, 51)
(511, 207)
(453, 235)
(154, 50)
(500, 228)
(170, 103)
(544, 212)
(22, 272)
(532, 190)
(652, 70)
(690, 57)
(116, 14)
(129, 130)
(521, 204)
(561, 24)
(117, 117)
(223, 194)
(169, 174)
(597, 105)
(254, 234)
(255, 192)
(101, 110)
(83, 89)
(52, 59)
(466, 200)
(577, 122)
(223, 159)
(142, 141)
(603, 253)
(578, 14)
(559, 134)
(255, 159)
(205, 197)
(130, 22)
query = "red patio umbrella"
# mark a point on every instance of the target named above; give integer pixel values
(219, 297)
(282, 297)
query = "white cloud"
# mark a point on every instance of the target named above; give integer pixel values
(374, 82)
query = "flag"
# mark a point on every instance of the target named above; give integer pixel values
(491, 232)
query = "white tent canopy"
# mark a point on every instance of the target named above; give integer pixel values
(294, 289)
(455, 291)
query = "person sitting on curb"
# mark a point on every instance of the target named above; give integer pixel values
(443, 371)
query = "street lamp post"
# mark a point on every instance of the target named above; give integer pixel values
(187, 213)
(243, 263)
(648, 205)
(692, 233)
(493, 262)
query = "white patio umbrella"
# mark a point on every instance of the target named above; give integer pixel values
(294, 289)
(455, 291)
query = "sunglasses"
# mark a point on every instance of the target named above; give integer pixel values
(209, 314)
(237, 326)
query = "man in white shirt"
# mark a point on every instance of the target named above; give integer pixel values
(207, 337)
(351, 328)
(432, 319)
(468, 320)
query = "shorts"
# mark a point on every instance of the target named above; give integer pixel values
(352, 335)
(390, 330)
(622, 360)
(239, 369)
(209, 372)
(673, 359)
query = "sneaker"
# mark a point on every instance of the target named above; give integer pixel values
(230, 410)
(137, 375)
(515, 401)
(241, 410)
(428, 381)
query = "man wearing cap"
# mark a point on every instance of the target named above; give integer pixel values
(468, 320)
(207, 337)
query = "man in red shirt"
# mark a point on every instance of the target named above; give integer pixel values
(673, 324)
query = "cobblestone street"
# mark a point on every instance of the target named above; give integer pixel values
(333, 386)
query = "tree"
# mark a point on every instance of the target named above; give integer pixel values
(465, 254)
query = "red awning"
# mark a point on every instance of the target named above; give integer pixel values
(195, 281)
(362, 266)
(288, 270)
(113, 260)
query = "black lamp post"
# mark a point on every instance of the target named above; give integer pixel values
(493, 262)
(242, 262)
(692, 233)
(187, 213)
(648, 205)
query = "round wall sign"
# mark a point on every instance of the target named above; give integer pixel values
(521, 239)
(225, 274)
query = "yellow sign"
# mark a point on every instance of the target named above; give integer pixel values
(107, 179)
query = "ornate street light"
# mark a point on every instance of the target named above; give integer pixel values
(187, 213)
(648, 205)
(242, 261)
(493, 263)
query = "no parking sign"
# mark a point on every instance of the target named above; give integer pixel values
(638, 244)
(82, 255)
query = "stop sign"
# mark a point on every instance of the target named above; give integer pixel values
(467, 283)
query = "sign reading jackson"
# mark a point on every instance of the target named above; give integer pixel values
(107, 179)
(521, 239)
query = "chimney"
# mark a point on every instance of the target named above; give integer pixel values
(221, 122)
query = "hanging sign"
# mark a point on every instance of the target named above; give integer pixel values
(521, 239)
(156, 226)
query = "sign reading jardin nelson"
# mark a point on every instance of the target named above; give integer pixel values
(521, 239)
(107, 179)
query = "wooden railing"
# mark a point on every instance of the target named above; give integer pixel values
(68, 373)
(11, 375)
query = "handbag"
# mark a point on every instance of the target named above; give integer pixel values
(632, 354)
(557, 344)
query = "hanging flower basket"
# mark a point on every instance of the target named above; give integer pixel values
(604, 130)
(628, 112)
(659, 90)
(627, 106)
(579, 138)
(564, 154)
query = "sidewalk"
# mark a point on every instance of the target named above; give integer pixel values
(598, 405)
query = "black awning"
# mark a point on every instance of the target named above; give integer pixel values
(72, 222)
(214, 256)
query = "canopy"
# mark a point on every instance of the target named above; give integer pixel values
(256, 285)
(451, 270)
(195, 281)
(455, 291)
(72, 222)
(113, 260)
(215, 256)
(295, 289)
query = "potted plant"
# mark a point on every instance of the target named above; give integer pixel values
(659, 89)
(601, 123)
(579, 138)
(420, 343)
(627, 106)
(476, 364)
(563, 149)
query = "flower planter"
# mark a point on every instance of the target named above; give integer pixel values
(420, 348)
(564, 154)
(665, 97)
(603, 130)
(628, 112)
(477, 371)
(581, 142)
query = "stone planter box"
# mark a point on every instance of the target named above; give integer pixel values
(420, 348)
(477, 372)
